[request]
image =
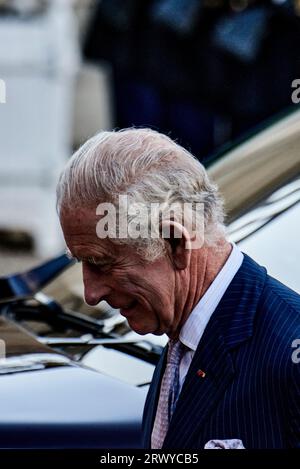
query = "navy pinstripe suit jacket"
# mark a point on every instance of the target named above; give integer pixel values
(251, 390)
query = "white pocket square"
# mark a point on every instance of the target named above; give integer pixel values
(224, 444)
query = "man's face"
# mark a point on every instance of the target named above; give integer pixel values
(144, 292)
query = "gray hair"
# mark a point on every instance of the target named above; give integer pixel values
(148, 167)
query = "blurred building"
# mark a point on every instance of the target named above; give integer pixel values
(53, 102)
(38, 63)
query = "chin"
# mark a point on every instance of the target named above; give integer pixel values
(141, 329)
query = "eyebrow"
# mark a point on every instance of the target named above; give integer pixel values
(90, 259)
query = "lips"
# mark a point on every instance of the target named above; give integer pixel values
(130, 305)
(123, 306)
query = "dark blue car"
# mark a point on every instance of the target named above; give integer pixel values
(68, 378)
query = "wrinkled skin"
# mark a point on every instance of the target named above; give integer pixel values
(155, 297)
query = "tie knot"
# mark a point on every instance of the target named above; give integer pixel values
(175, 352)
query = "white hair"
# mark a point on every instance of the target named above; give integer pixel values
(148, 167)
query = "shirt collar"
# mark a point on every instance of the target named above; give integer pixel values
(197, 321)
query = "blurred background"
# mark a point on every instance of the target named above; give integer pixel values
(205, 72)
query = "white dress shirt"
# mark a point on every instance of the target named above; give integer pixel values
(197, 321)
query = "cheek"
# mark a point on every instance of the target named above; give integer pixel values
(151, 284)
(156, 293)
(125, 281)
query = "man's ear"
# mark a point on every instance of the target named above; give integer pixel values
(179, 241)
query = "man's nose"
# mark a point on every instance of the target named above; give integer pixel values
(95, 287)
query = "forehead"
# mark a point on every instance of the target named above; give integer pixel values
(78, 219)
(79, 229)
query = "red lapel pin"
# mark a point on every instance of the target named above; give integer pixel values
(201, 373)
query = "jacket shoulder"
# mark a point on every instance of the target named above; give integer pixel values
(278, 317)
(277, 294)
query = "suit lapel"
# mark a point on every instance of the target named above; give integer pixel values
(200, 394)
(230, 325)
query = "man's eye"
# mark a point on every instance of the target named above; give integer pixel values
(104, 267)
(100, 266)
(93, 261)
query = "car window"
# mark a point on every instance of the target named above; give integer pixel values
(270, 234)
(255, 168)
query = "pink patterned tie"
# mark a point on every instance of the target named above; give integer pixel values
(169, 391)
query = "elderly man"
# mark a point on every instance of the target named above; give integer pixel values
(227, 372)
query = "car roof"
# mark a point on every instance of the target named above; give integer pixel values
(253, 169)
